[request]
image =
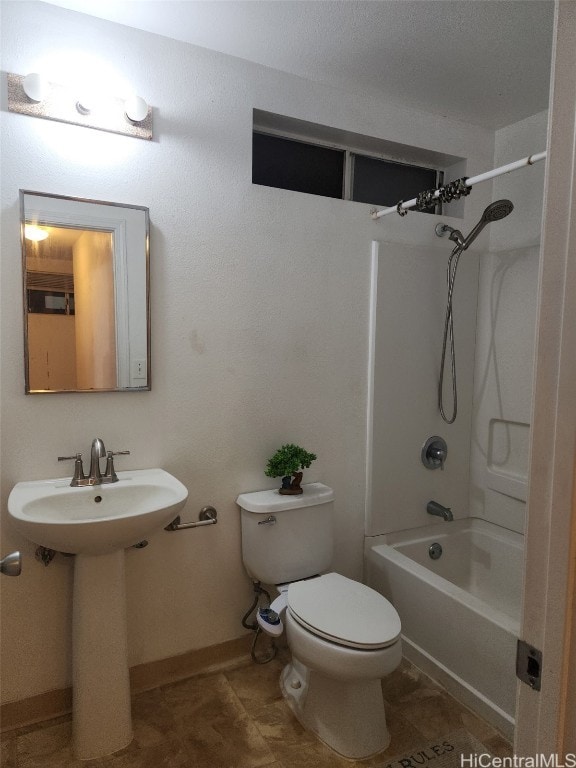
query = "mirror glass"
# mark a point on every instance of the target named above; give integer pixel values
(86, 295)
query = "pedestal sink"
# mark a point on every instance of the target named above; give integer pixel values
(96, 523)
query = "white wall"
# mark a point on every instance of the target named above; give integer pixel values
(505, 337)
(410, 300)
(259, 323)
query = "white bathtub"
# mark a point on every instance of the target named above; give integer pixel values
(460, 613)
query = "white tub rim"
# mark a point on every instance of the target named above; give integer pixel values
(381, 546)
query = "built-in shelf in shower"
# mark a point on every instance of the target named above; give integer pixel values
(507, 460)
(516, 487)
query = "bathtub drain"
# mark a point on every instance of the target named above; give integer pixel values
(435, 551)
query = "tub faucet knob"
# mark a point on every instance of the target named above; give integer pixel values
(437, 454)
(434, 452)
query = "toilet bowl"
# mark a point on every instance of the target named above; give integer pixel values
(343, 636)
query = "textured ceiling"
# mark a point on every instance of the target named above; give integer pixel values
(481, 61)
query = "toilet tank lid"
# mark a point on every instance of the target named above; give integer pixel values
(268, 502)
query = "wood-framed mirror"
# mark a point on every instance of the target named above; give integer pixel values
(86, 278)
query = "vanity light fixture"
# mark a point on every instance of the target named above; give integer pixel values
(34, 96)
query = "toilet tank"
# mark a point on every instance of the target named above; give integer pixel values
(287, 538)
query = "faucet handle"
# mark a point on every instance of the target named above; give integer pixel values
(438, 455)
(110, 475)
(78, 468)
(434, 453)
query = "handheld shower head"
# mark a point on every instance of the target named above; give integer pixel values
(494, 212)
(497, 210)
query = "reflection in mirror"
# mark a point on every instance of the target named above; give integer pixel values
(86, 295)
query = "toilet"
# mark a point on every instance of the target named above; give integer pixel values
(343, 636)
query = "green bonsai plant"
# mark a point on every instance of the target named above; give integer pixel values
(287, 463)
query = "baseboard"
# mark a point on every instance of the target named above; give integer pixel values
(143, 677)
(202, 661)
(35, 709)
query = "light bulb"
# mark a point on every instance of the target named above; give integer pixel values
(34, 233)
(35, 86)
(136, 109)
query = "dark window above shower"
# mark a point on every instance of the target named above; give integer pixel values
(292, 154)
(297, 165)
(383, 182)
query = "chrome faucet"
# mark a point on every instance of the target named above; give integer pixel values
(97, 452)
(434, 508)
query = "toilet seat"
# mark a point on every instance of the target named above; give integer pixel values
(344, 611)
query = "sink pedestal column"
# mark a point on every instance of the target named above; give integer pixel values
(102, 720)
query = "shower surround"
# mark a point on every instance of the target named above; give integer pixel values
(461, 638)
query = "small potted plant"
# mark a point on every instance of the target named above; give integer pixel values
(288, 463)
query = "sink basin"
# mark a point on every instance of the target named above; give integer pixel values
(96, 523)
(97, 519)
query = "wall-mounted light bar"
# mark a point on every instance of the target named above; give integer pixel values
(32, 95)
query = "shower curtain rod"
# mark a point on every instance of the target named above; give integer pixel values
(402, 207)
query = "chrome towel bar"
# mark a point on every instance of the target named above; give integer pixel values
(207, 516)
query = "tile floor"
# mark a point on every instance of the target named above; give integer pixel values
(237, 719)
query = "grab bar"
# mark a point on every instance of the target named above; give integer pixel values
(207, 516)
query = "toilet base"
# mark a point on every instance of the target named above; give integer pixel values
(347, 716)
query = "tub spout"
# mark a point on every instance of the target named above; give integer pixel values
(434, 508)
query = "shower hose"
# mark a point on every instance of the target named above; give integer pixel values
(449, 334)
